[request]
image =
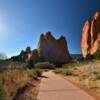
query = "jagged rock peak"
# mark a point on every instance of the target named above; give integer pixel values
(47, 36)
(51, 49)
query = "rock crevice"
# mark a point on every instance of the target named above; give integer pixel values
(91, 36)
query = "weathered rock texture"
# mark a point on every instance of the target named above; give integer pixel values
(27, 55)
(53, 50)
(91, 36)
(49, 49)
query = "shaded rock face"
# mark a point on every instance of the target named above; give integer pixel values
(91, 36)
(27, 55)
(49, 49)
(34, 56)
(53, 50)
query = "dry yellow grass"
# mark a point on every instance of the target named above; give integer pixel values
(86, 74)
(12, 80)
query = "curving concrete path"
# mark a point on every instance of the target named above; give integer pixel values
(54, 87)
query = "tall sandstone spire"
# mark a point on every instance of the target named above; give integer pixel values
(91, 36)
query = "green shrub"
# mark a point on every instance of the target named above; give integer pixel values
(38, 72)
(68, 72)
(30, 72)
(97, 56)
(63, 71)
(44, 65)
(34, 73)
(57, 71)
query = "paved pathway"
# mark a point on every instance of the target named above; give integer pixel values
(54, 87)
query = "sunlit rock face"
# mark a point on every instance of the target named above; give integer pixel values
(27, 55)
(86, 38)
(54, 50)
(91, 36)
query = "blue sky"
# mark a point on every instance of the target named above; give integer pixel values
(22, 22)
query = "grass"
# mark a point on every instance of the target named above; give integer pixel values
(2, 93)
(44, 65)
(63, 71)
(12, 80)
(86, 74)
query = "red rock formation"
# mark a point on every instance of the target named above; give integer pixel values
(86, 38)
(34, 55)
(91, 36)
(53, 50)
(49, 49)
(29, 55)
